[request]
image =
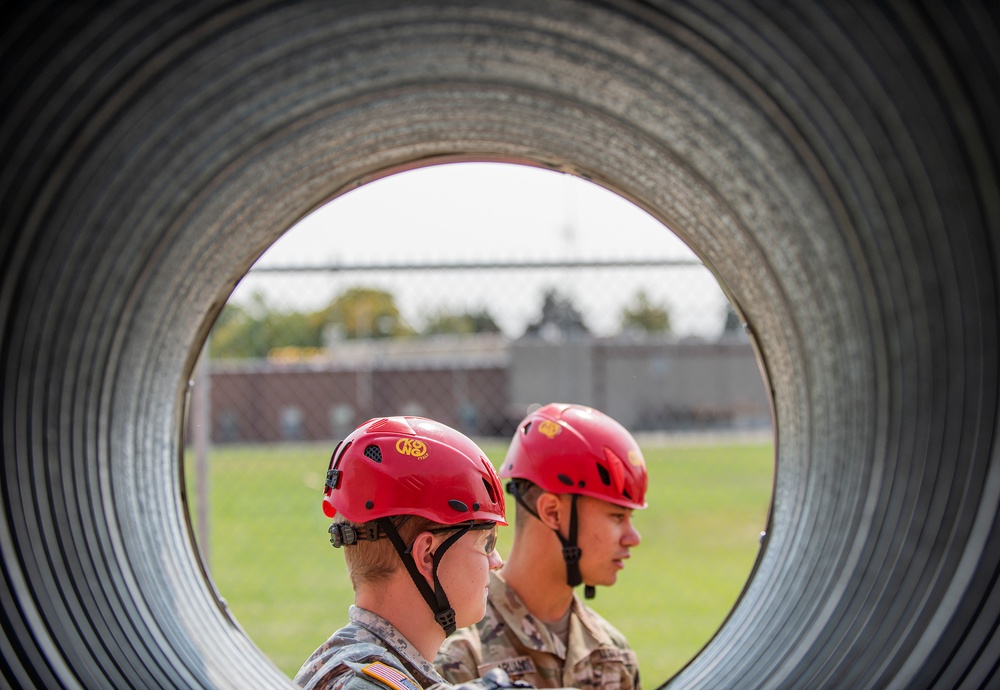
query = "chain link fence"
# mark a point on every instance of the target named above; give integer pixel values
(306, 350)
(653, 344)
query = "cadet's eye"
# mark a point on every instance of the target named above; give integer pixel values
(491, 541)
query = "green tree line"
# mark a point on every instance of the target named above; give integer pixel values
(256, 330)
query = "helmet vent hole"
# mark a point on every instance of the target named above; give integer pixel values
(490, 492)
(525, 429)
(373, 452)
(605, 475)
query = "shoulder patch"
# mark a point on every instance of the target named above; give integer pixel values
(387, 675)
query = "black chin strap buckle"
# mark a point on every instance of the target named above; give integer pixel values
(446, 619)
(571, 554)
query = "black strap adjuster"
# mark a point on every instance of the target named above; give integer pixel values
(333, 478)
(342, 534)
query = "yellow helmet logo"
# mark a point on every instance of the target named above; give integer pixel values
(413, 447)
(549, 428)
(635, 457)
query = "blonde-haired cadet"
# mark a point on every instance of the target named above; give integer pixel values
(416, 506)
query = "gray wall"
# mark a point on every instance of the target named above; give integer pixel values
(646, 384)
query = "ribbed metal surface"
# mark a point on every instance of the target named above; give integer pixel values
(836, 166)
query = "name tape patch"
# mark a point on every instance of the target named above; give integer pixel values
(517, 666)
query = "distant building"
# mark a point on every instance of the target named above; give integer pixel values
(483, 384)
(647, 383)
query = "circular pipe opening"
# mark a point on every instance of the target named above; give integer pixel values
(412, 255)
(832, 165)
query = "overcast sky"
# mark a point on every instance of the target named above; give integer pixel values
(478, 212)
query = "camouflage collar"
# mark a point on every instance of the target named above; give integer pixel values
(585, 629)
(394, 640)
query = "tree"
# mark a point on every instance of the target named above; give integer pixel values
(233, 335)
(558, 318)
(465, 322)
(732, 324)
(254, 331)
(644, 315)
(362, 312)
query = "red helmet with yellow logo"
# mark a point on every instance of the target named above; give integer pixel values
(573, 449)
(411, 466)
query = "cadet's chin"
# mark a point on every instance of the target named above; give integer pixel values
(474, 617)
(606, 580)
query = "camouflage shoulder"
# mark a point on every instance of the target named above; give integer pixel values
(339, 668)
(617, 638)
(463, 638)
(460, 655)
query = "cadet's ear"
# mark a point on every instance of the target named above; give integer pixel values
(548, 510)
(423, 554)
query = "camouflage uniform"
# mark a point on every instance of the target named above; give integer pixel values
(367, 654)
(598, 657)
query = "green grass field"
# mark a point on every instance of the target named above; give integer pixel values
(271, 560)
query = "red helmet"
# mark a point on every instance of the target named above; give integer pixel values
(572, 449)
(411, 466)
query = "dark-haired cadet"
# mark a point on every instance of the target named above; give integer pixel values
(577, 476)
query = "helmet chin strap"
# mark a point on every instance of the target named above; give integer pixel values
(436, 598)
(570, 549)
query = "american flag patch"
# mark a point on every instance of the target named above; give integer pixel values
(390, 676)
